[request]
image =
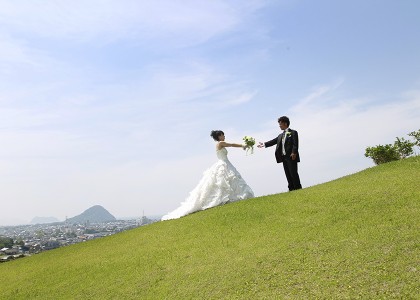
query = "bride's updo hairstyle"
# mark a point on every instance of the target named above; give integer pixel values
(215, 134)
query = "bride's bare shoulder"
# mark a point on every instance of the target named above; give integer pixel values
(220, 145)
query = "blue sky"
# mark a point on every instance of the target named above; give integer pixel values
(112, 102)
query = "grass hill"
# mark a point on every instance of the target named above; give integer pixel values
(356, 237)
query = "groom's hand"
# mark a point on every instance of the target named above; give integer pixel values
(261, 145)
(293, 156)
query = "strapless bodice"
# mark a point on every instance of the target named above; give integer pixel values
(222, 154)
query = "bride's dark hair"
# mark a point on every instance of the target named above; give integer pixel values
(215, 134)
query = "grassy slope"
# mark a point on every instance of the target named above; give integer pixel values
(355, 237)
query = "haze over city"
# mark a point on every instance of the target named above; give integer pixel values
(112, 103)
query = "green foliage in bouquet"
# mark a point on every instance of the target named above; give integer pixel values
(249, 144)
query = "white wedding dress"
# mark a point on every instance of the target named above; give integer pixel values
(221, 183)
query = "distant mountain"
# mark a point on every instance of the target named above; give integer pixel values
(95, 214)
(44, 220)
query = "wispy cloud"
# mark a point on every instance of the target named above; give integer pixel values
(189, 22)
(12, 51)
(318, 97)
(241, 98)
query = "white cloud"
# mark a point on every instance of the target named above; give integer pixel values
(12, 51)
(188, 21)
(318, 93)
(240, 99)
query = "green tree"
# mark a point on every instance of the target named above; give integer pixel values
(20, 242)
(6, 242)
(416, 136)
(404, 147)
(39, 233)
(71, 234)
(382, 153)
(401, 149)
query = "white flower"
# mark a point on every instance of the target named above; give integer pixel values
(249, 144)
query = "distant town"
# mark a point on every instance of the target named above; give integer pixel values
(25, 240)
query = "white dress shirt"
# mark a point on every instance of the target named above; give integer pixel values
(282, 142)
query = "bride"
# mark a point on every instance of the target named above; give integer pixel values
(220, 184)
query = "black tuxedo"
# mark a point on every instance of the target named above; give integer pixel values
(291, 145)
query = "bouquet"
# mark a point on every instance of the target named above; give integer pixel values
(249, 144)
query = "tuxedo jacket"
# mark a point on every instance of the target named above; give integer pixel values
(291, 145)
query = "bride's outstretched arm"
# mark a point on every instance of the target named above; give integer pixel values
(225, 144)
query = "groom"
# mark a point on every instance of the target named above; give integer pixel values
(287, 146)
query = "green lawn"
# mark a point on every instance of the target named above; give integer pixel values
(356, 237)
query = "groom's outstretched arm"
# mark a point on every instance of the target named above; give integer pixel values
(271, 143)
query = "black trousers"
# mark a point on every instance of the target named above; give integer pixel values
(291, 170)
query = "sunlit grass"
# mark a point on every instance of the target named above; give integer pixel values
(355, 237)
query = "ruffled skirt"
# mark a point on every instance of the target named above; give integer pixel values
(220, 184)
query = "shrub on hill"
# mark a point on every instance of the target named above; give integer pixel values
(401, 149)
